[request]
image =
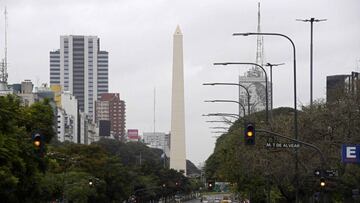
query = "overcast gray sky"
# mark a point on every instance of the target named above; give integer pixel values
(138, 36)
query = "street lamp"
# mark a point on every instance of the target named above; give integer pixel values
(224, 128)
(271, 83)
(295, 106)
(217, 121)
(266, 82)
(232, 101)
(246, 89)
(311, 20)
(223, 114)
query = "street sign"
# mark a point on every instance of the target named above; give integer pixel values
(282, 145)
(326, 173)
(350, 153)
(331, 173)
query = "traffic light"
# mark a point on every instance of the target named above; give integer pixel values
(211, 185)
(322, 182)
(38, 143)
(317, 173)
(91, 183)
(249, 134)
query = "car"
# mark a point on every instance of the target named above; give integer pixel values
(217, 200)
(226, 199)
(204, 200)
(177, 198)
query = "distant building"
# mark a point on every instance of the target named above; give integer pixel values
(27, 87)
(80, 68)
(89, 131)
(110, 109)
(338, 85)
(28, 95)
(15, 88)
(254, 81)
(68, 119)
(57, 94)
(158, 140)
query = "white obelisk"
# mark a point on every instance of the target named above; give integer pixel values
(177, 137)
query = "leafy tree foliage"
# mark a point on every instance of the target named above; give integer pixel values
(106, 171)
(256, 169)
(20, 168)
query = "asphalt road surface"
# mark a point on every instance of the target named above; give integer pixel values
(215, 198)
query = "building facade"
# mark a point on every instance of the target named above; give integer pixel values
(158, 140)
(254, 81)
(68, 119)
(110, 108)
(338, 85)
(81, 68)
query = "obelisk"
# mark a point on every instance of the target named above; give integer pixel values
(177, 136)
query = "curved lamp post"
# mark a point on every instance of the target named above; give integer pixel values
(231, 101)
(227, 122)
(266, 82)
(311, 20)
(223, 114)
(240, 85)
(271, 83)
(295, 106)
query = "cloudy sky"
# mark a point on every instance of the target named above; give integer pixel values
(138, 36)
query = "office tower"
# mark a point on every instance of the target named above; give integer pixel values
(177, 137)
(110, 108)
(80, 68)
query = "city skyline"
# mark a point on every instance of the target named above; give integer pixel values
(140, 51)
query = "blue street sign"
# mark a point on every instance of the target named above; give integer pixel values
(350, 153)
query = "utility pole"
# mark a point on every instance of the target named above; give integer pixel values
(311, 20)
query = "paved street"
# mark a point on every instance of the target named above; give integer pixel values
(215, 198)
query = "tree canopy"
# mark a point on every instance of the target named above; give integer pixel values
(255, 169)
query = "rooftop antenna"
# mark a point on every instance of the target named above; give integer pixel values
(259, 43)
(3, 65)
(5, 58)
(6, 25)
(154, 108)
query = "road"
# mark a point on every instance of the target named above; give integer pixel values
(214, 198)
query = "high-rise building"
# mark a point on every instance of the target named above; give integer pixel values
(109, 107)
(177, 137)
(80, 68)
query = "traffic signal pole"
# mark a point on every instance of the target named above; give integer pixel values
(322, 179)
(297, 141)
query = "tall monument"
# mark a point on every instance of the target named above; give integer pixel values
(177, 138)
